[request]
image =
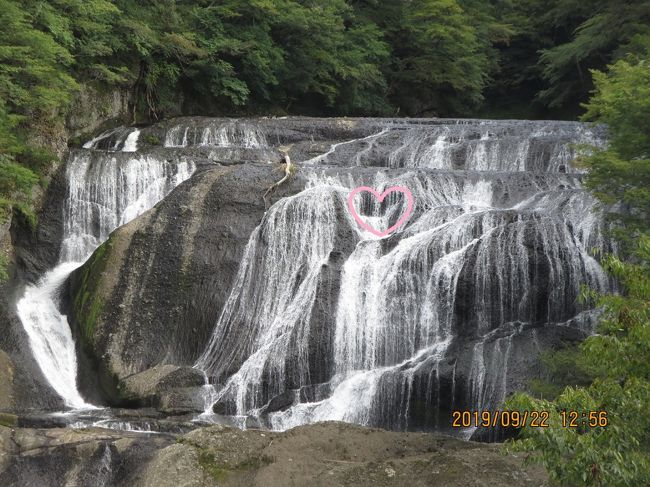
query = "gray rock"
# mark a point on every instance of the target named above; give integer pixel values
(152, 294)
(329, 454)
(146, 388)
(181, 401)
(179, 259)
(54, 457)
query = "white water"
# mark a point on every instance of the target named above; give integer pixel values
(131, 142)
(216, 133)
(323, 157)
(104, 192)
(395, 310)
(488, 237)
(261, 305)
(123, 139)
(394, 318)
(49, 334)
(354, 395)
(473, 145)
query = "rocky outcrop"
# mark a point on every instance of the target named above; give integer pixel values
(169, 388)
(27, 252)
(22, 385)
(152, 293)
(84, 458)
(323, 454)
(6, 381)
(452, 312)
(159, 379)
(93, 108)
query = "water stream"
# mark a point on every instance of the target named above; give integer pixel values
(105, 190)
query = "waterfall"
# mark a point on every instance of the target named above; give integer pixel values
(273, 301)
(105, 191)
(472, 145)
(123, 139)
(326, 321)
(49, 334)
(131, 142)
(216, 133)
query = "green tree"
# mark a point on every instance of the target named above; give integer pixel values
(314, 57)
(618, 454)
(34, 85)
(439, 63)
(156, 44)
(621, 174)
(33, 67)
(610, 29)
(86, 29)
(555, 45)
(329, 54)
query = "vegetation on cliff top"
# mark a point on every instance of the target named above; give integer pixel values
(328, 57)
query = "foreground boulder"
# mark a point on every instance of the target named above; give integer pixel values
(148, 388)
(64, 456)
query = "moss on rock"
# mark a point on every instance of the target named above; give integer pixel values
(8, 420)
(6, 382)
(88, 304)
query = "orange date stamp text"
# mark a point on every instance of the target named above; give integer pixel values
(531, 419)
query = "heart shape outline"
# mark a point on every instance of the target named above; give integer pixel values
(409, 207)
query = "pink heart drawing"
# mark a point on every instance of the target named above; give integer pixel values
(400, 222)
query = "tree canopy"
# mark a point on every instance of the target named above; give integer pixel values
(329, 57)
(522, 59)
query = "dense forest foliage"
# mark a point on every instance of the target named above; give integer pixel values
(526, 59)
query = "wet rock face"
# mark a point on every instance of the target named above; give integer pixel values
(37, 250)
(296, 313)
(27, 253)
(163, 279)
(22, 385)
(146, 388)
(6, 381)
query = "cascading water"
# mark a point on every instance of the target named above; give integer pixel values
(328, 322)
(105, 190)
(49, 334)
(228, 133)
(325, 321)
(276, 311)
(123, 139)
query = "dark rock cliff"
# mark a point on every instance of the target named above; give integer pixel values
(152, 293)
